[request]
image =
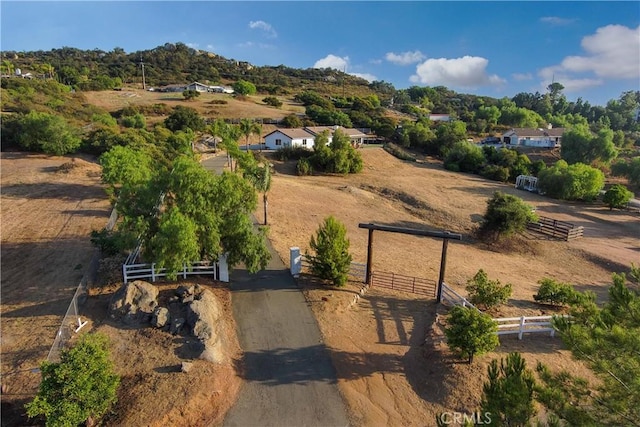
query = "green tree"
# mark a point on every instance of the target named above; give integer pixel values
(126, 166)
(82, 386)
(243, 87)
(505, 216)
(182, 118)
(553, 292)
(580, 146)
(48, 133)
(137, 121)
(249, 127)
(332, 259)
(448, 134)
(508, 395)
(617, 196)
(470, 332)
(291, 121)
(190, 94)
(487, 293)
(464, 157)
(260, 177)
(608, 338)
(571, 182)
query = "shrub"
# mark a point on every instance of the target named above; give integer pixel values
(295, 152)
(273, 101)
(81, 386)
(556, 293)
(466, 156)
(571, 182)
(505, 215)
(190, 94)
(485, 292)
(398, 152)
(48, 133)
(496, 173)
(137, 121)
(331, 246)
(470, 332)
(303, 167)
(617, 196)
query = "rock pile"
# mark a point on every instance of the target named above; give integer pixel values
(192, 309)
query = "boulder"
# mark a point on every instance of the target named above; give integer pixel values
(160, 317)
(134, 302)
(204, 316)
(176, 325)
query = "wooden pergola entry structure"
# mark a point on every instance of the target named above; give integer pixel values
(444, 235)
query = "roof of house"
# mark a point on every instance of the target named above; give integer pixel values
(353, 133)
(292, 133)
(524, 132)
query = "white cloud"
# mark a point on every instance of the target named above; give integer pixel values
(210, 47)
(375, 61)
(467, 72)
(368, 77)
(613, 51)
(192, 45)
(264, 26)
(405, 58)
(332, 61)
(521, 76)
(556, 20)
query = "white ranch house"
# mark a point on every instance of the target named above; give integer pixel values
(305, 137)
(531, 137)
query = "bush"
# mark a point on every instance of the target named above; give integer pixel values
(273, 101)
(496, 173)
(556, 293)
(617, 196)
(295, 152)
(190, 94)
(331, 246)
(470, 332)
(488, 293)
(464, 157)
(48, 133)
(505, 215)
(303, 167)
(571, 182)
(398, 152)
(137, 121)
(82, 386)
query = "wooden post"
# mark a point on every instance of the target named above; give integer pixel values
(367, 279)
(443, 265)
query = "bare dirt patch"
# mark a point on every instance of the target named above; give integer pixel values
(387, 372)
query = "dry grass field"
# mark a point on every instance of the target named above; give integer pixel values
(387, 372)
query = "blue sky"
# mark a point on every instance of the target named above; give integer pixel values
(486, 48)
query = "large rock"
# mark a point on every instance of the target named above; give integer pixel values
(134, 302)
(160, 317)
(204, 316)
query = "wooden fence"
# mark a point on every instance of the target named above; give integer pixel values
(399, 282)
(556, 229)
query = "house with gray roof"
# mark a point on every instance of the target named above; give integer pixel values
(534, 137)
(305, 137)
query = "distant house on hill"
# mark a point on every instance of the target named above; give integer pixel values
(198, 87)
(532, 137)
(305, 137)
(440, 117)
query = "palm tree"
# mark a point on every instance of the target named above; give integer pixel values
(260, 177)
(7, 65)
(248, 127)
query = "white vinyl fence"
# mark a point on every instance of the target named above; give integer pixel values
(506, 325)
(525, 325)
(148, 271)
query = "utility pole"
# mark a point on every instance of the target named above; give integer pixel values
(144, 84)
